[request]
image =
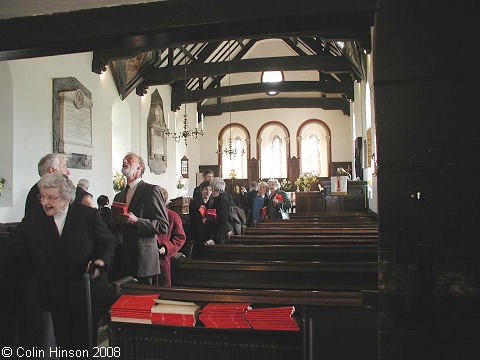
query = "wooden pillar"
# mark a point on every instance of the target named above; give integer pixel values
(426, 81)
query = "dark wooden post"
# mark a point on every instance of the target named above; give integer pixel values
(428, 202)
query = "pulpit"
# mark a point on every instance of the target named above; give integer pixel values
(354, 200)
(309, 201)
(318, 201)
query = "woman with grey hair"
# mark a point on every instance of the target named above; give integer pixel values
(62, 240)
(279, 202)
(222, 223)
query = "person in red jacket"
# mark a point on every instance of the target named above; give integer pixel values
(169, 243)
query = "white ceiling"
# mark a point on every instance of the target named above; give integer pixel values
(18, 8)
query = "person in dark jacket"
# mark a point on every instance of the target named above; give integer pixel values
(207, 175)
(61, 240)
(200, 229)
(278, 201)
(259, 202)
(246, 197)
(222, 227)
(137, 253)
(50, 163)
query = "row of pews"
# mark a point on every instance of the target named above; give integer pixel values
(322, 263)
(10, 249)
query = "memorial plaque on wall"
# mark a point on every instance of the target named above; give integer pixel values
(156, 139)
(72, 122)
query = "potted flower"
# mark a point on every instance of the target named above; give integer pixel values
(119, 181)
(305, 180)
(180, 186)
(286, 185)
(232, 174)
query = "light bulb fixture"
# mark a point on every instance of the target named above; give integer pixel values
(230, 150)
(185, 132)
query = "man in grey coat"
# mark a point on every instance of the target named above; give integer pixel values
(137, 229)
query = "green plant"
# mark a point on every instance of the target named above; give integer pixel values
(306, 179)
(180, 184)
(286, 185)
(119, 181)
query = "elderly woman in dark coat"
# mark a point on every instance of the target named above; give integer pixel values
(61, 240)
(222, 223)
(278, 203)
(200, 229)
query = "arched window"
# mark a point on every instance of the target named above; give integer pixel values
(237, 161)
(273, 150)
(276, 156)
(314, 145)
(311, 154)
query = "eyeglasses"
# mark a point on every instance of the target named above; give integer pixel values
(49, 197)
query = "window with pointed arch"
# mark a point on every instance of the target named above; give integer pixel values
(237, 162)
(314, 146)
(273, 152)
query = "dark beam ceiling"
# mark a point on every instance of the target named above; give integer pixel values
(284, 63)
(129, 29)
(122, 32)
(344, 88)
(275, 103)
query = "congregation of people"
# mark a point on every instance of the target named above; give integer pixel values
(66, 236)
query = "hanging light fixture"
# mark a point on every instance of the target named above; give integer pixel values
(186, 132)
(230, 150)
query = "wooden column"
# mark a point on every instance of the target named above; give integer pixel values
(429, 271)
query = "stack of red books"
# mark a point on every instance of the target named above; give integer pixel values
(279, 318)
(174, 313)
(133, 308)
(225, 315)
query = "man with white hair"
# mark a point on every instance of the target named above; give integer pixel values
(82, 196)
(137, 253)
(50, 163)
(84, 184)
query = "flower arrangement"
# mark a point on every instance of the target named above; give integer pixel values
(232, 174)
(286, 185)
(2, 184)
(119, 181)
(305, 180)
(180, 184)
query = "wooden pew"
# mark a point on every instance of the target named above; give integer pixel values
(310, 231)
(334, 325)
(329, 239)
(333, 215)
(316, 224)
(356, 253)
(283, 275)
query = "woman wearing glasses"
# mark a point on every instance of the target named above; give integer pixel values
(61, 238)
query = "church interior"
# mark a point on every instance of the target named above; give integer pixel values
(373, 92)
